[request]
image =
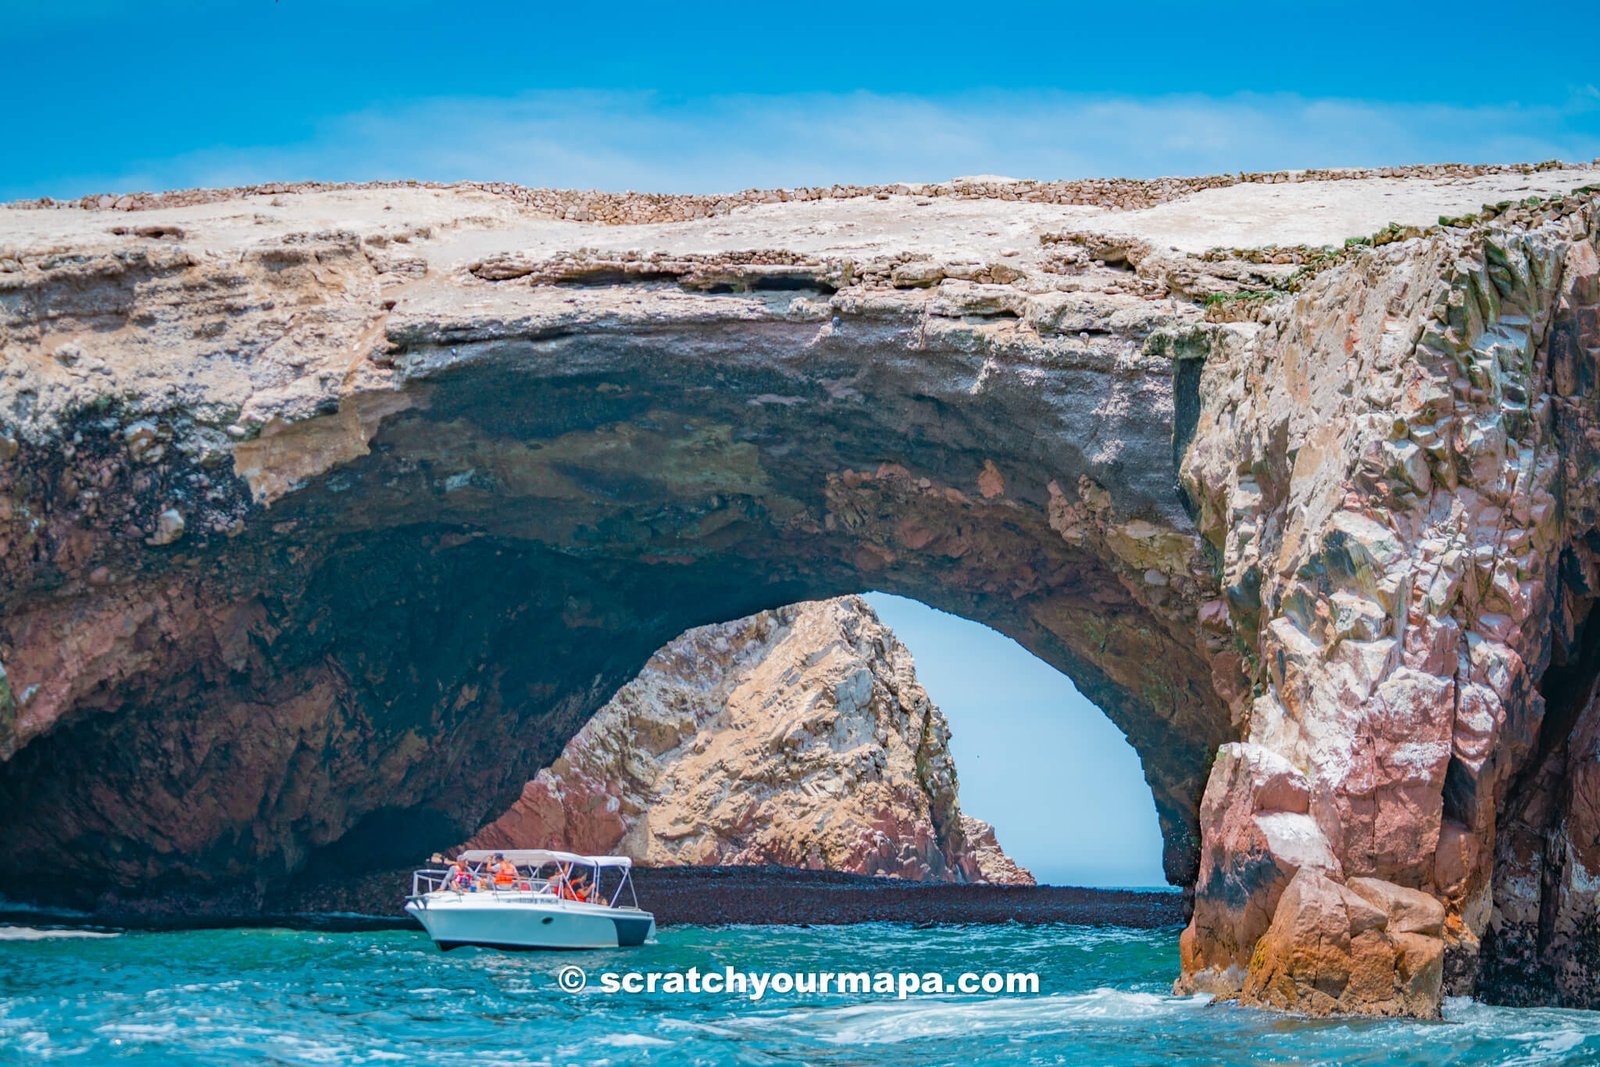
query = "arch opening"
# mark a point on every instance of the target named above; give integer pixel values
(868, 735)
(1063, 789)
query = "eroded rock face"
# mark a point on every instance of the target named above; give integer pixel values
(397, 476)
(797, 737)
(1331, 946)
(326, 518)
(1396, 471)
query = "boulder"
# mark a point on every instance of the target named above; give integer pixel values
(1332, 951)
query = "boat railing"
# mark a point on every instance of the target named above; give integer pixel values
(625, 884)
(432, 880)
(427, 881)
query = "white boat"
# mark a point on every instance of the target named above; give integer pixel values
(480, 902)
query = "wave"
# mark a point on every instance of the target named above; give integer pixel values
(909, 1020)
(632, 1041)
(31, 933)
(1539, 1035)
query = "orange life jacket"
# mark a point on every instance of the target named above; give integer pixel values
(505, 873)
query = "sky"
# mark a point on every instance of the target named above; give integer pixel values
(1061, 785)
(116, 96)
(123, 95)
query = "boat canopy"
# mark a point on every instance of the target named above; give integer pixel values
(533, 857)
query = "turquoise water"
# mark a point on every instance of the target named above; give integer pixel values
(295, 997)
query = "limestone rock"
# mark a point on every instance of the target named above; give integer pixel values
(1260, 834)
(796, 737)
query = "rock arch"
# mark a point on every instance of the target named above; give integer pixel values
(316, 543)
(533, 514)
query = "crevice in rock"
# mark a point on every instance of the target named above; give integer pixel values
(797, 284)
(1539, 951)
(614, 276)
(383, 839)
(1185, 419)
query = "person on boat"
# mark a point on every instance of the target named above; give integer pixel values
(581, 889)
(505, 872)
(572, 884)
(458, 877)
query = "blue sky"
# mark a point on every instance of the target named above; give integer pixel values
(1060, 783)
(145, 94)
(119, 95)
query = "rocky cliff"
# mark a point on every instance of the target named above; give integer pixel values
(328, 515)
(797, 737)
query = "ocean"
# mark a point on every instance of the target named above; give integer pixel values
(309, 997)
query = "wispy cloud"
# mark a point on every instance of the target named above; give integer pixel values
(652, 141)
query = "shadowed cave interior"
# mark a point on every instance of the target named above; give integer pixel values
(373, 668)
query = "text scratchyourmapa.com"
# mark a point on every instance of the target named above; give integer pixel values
(754, 985)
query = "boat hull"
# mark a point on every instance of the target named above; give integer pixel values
(454, 920)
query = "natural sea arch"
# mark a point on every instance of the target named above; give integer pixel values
(1342, 553)
(393, 643)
